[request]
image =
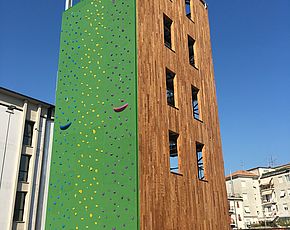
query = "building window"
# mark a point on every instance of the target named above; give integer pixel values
(191, 51)
(238, 205)
(167, 31)
(239, 217)
(195, 106)
(173, 152)
(285, 207)
(247, 210)
(200, 163)
(19, 206)
(28, 133)
(287, 177)
(187, 8)
(245, 196)
(24, 166)
(282, 194)
(170, 87)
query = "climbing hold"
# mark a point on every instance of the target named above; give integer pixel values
(121, 108)
(64, 127)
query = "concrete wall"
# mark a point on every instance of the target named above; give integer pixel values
(10, 150)
(249, 189)
(15, 109)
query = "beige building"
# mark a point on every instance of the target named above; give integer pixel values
(25, 146)
(265, 193)
(246, 185)
(236, 210)
(275, 192)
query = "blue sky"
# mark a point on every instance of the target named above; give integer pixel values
(251, 52)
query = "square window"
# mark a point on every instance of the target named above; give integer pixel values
(200, 162)
(24, 166)
(19, 206)
(191, 42)
(173, 151)
(282, 194)
(195, 106)
(28, 133)
(247, 210)
(187, 8)
(170, 87)
(167, 31)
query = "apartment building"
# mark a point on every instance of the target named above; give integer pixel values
(275, 192)
(265, 192)
(236, 210)
(136, 140)
(246, 185)
(25, 146)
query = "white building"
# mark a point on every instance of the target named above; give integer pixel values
(265, 192)
(275, 192)
(246, 185)
(25, 147)
(236, 210)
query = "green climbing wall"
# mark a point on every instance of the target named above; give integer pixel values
(93, 175)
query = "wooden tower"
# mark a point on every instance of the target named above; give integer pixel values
(136, 140)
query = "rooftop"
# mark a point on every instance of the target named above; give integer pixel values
(241, 173)
(23, 97)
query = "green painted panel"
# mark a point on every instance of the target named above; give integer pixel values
(94, 171)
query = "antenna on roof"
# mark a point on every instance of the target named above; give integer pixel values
(243, 165)
(68, 4)
(272, 162)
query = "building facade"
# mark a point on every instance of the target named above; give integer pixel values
(246, 185)
(236, 211)
(25, 146)
(136, 139)
(265, 192)
(275, 192)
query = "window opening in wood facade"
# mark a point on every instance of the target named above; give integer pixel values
(19, 206)
(28, 133)
(191, 42)
(187, 9)
(173, 151)
(167, 31)
(170, 87)
(200, 163)
(24, 166)
(195, 106)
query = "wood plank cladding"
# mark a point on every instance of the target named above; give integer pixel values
(171, 201)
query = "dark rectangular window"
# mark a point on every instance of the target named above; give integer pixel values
(191, 51)
(173, 151)
(195, 106)
(200, 164)
(19, 206)
(24, 166)
(170, 87)
(187, 8)
(28, 133)
(167, 31)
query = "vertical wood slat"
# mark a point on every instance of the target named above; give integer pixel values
(169, 201)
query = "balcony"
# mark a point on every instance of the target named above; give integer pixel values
(232, 210)
(269, 201)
